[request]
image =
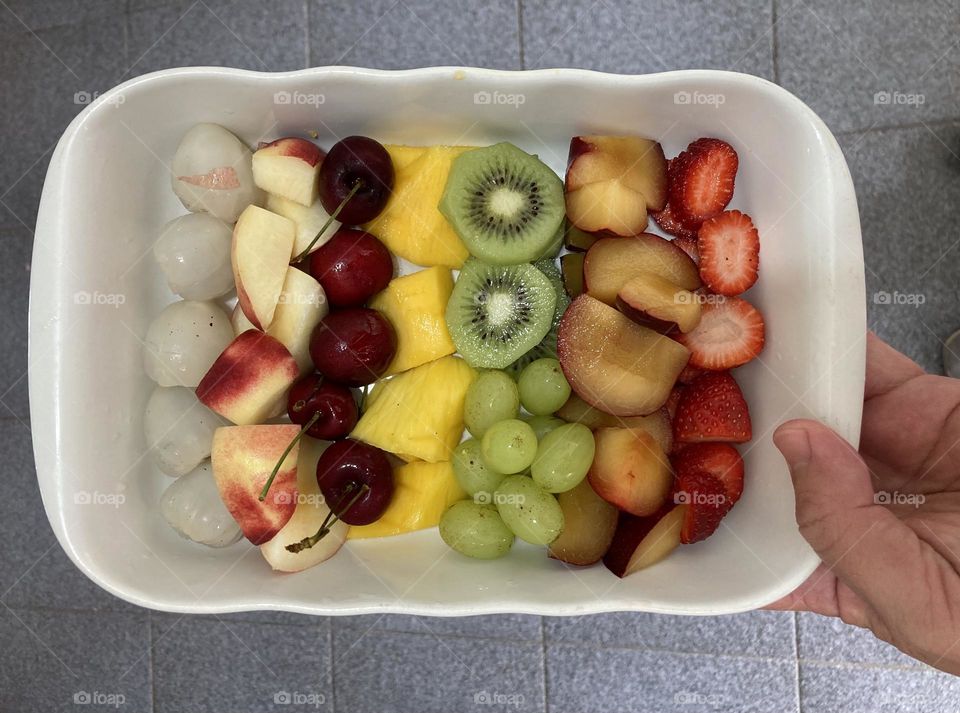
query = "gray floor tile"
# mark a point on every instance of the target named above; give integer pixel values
(591, 679)
(767, 634)
(26, 15)
(67, 66)
(657, 36)
(210, 664)
(501, 626)
(415, 33)
(416, 673)
(870, 62)
(827, 639)
(55, 661)
(909, 196)
(34, 571)
(235, 33)
(853, 689)
(16, 246)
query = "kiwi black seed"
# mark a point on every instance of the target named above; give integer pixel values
(497, 313)
(505, 204)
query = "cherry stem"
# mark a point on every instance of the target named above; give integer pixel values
(306, 251)
(286, 452)
(329, 521)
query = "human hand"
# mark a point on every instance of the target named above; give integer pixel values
(893, 568)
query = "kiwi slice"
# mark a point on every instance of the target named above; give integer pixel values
(505, 204)
(499, 312)
(548, 345)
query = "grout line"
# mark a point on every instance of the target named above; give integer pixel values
(796, 652)
(775, 42)
(308, 49)
(546, 681)
(333, 685)
(150, 672)
(523, 63)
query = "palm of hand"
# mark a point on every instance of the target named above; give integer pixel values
(900, 577)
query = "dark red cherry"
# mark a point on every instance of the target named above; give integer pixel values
(356, 481)
(329, 408)
(352, 267)
(352, 161)
(353, 346)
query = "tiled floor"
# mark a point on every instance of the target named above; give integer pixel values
(882, 73)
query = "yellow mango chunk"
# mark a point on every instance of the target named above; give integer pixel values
(416, 307)
(411, 225)
(422, 493)
(418, 415)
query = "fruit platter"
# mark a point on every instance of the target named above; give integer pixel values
(374, 352)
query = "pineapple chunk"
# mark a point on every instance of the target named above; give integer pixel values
(418, 415)
(411, 225)
(422, 493)
(416, 306)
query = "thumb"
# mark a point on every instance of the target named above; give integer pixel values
(865, 545)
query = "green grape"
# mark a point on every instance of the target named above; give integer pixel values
(532, 514)
(472, 473)
(542, 425)
(509, 446)
(475, 530)
(492, 397)
(563, 458)
(543, 387)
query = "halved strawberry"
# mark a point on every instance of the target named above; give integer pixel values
(730, 333)
(729, 252)
(705, 499)
(721, 460)
(701, 180)
(712, 408)
(689, 246)
(671, 225)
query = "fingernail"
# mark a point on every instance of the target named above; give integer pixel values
(794, 444)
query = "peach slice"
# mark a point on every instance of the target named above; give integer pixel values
(643, 541)
(589, 522)
(289, 168)
(607, 206)
(630, 470)
(301, 306)
(248, 382)
(309, 515)
(308, 222)
(655, 302)
(242, 458)
(657, 424)
(613, 262)
(614, 364)
(636, 162)
(260, 255)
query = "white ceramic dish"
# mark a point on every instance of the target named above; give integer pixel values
(95, 287)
